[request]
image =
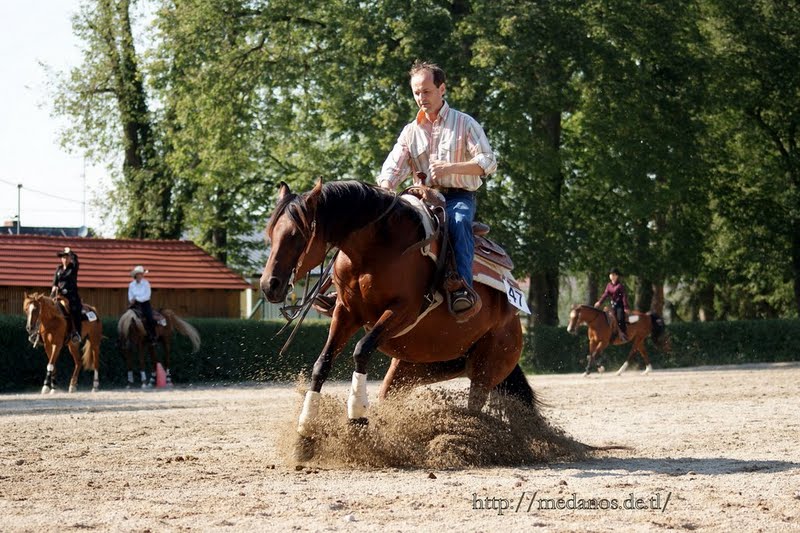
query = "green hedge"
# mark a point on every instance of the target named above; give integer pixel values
(241, 350)
(551, 349)
(231, 351)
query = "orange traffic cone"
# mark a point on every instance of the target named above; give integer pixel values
(161, 376)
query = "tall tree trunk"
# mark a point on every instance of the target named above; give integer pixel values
(657, 305)
(705, 302)
(644, 294)
(543, 297)
(592, 288)
(796, 262)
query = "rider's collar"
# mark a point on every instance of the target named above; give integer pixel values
(422, 117)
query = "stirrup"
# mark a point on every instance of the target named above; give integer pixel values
(324, 303)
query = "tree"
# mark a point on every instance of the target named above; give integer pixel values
(107, 99)
(756, 45)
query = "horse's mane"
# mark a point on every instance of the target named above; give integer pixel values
(343, 206)
(40, 297)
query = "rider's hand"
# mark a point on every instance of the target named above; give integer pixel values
(439, 170)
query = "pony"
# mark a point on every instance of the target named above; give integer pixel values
(132, 334)
(381, 280)
(46, 320)
(603, 331)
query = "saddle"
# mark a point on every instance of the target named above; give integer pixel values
(158, 318)
(491, 265)
(88, 313)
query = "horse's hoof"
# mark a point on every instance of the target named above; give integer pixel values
(601, 369)
(586, 374)
(647, 370)
(304, 449)
(72, 389)
(95, 389)
(53, 390)
(45, 389)
(359, 422)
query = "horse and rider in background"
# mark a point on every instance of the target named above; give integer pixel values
(140, 328)
(62, 319)
(618, 326)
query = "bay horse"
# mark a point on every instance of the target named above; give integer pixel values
(133, 335)
(604, 331)
(380, 284)
(45, 319)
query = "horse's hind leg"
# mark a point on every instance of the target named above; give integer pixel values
(73, 382)
(642, 350)
(490, 361)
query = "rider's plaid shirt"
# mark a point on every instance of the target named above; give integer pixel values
(454, 137)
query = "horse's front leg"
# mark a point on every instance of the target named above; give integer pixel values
(51, 349)
(142, 367)
(392, 320)
(343, 326)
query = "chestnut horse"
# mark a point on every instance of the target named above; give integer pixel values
(132, 334)
(603, 328)
(381, 279)
(45, 319)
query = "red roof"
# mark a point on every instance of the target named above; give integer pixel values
(30, 261)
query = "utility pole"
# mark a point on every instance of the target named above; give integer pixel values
(19, 193)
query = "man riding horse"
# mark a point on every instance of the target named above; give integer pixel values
(447, 150)
(65, 284)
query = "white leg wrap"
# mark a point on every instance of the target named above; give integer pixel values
(358, 402)
(309, 413)
(130, 376)
(622, 368)
(50, 368)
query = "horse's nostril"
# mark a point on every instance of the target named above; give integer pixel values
(274, 283)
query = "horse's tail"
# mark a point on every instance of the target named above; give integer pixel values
(516, 385)
(89, 362)
(126, 321)
(184, 328)
(658, 332)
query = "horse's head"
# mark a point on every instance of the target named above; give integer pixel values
(31, 306)
(295, 245)
(574, 319)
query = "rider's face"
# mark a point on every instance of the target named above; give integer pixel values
(64, 260)
(613, 277)
(428, 96)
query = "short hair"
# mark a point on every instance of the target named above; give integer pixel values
(433, 68)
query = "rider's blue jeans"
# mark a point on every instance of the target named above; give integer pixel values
(460, 209)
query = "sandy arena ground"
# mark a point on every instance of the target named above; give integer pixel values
(713, 448)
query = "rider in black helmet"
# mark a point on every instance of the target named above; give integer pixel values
(615, 291)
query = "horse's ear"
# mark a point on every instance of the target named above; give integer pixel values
(283, 190)
(314, 194)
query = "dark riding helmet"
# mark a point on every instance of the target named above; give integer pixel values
(64, 253)
(616, 271)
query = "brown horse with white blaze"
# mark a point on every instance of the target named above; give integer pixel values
(603, 332)
(381, 284)
(46, 320)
